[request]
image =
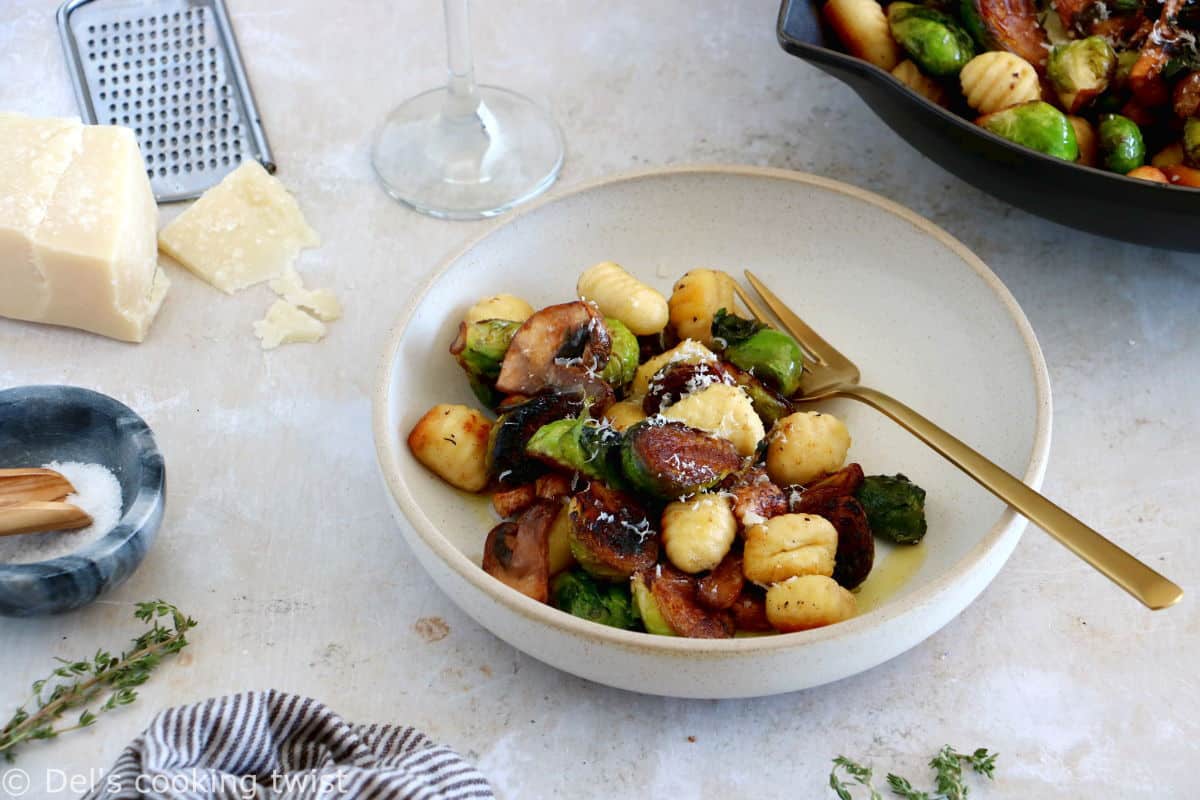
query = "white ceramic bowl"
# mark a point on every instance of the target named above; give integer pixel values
(925, 319)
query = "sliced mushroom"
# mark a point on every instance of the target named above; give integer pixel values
(518, 553)
(755, 498)
(720, 588)
(675, 593)
(675, 381)
(562, 347)
(832, 497)
(809, 499)
(749, 610)
(508, 502)
(514, 428)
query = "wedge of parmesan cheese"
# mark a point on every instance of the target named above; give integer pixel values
(77, 228)
(286, 324)
(245, 230)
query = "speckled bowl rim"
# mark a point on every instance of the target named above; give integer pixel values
(387, 444)
(147, 503)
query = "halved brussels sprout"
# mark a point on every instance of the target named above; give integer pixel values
(895, 507)
(1037, 125)
(612, 535)
(935, 41)
(1191, 141)
(581, 445)
(580, 595)
(516, 426)
(1010, 25)
(623, 361)
(1121, 147)
(772, 356)
(479, 349)
(647, 608)
(1080, 70)
(669, 459)
(671, 595)
(729, 329)
(770, 405)
(480, 346)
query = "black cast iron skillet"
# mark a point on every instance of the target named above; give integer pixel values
(1090, 199)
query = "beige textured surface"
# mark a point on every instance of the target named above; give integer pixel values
(1071, 681)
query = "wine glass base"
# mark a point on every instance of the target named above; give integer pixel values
(471, 165)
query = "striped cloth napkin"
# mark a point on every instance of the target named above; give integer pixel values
(260, 745)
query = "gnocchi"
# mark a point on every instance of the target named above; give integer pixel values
(671, 490)
(696, 299)
(808, 601)
(863, 28)
(452, 442)
(911, 76)
(1085, 137)
(698, 532)
(997, 80)
(722, 410)
(624, 414)
(499, 306)
(789, 545)
(621, 296)
(806, 445)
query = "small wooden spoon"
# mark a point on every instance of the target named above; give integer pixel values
(39, 516)
(24, 484)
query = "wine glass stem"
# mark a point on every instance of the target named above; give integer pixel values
(462, 98)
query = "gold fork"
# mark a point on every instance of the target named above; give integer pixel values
(828, 373)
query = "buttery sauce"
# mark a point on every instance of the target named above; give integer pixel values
(889, 574)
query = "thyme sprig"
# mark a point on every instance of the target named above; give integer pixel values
(96, 685)
(948, 776)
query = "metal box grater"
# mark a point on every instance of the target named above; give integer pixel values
(170, 70)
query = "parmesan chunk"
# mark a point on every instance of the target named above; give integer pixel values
(77, 228)
(245, 230)
(286, 324)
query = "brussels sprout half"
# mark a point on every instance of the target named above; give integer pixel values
(1121, 147)
(895, 507)
(612, 535)
(1080, 70)
(1191, 141)
(772, 356)
(623, 361)
(935, 41)
(579, 444)
(669, 459)
(667, 600)
(1037, 125)
(580, 595)
(647, 608)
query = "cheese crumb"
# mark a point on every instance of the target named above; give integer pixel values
(245, 230)
(287, 324)
(321, 303)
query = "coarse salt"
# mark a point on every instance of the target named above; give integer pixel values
(97, 492)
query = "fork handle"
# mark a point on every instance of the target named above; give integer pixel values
(1149, 587)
